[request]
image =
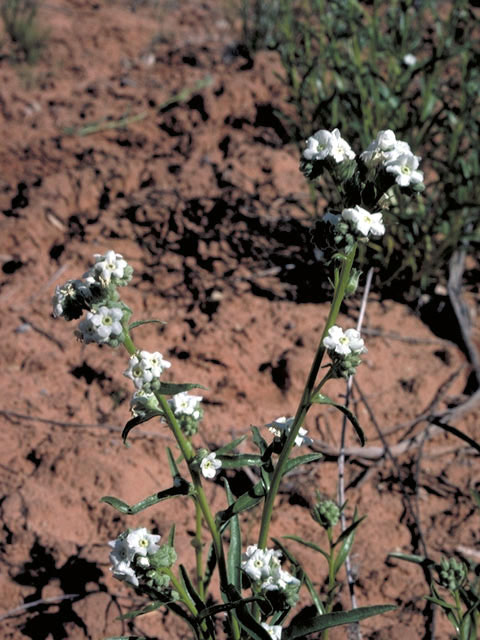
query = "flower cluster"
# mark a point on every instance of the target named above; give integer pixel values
(110, 268)
(395, 156)
(145, 369)
(344, 348)
(281, 428)
(264, 569)
(104, 325)
(96, 293)
(131, 551)
(325, 144)
(188, 412)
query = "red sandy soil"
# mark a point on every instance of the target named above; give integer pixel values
(205, 200)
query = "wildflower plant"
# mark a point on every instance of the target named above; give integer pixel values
(260, 584)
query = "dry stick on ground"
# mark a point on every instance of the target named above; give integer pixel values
(28, 605)
(13, 415)
(430, 611)
(454, 288)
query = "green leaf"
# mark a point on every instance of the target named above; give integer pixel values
(258, 440)
(299, 629)
(234, 556)
(246, 501)
(140, 612)
(320, 398)
(230, 446)
(295, 462)
(441, 603)
(172, 464)
(346, 539)
(349, 530)
(310, 545)
(146, 415)
(123, 507)
(220, 608)
(253, 628)
(172, 388)
(238, 460)
(456, 432)
(171, 536)
(210, 566)
(138, 323)
(192, 592)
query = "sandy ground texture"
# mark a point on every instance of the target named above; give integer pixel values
(203, 197)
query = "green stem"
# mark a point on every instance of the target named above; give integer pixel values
(182, 592)
(305, 401)
(198, 551)
(188, 453)
(331, 579)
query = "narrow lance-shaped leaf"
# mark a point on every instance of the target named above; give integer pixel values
(346, 540)
(135, 421)
(238, 460)
(138, 323)
(172, 388)
(140, 612)
(192, 592)
(320, 398)
(306, 459)
(181, 490)
(234, 557)
(227, 448)
(258, 440)
(310, 545)
(210, 566)
(253, 628)
(302, 628)
(246, 501)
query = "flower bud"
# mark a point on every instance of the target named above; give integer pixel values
(452, 573)
(326, 513)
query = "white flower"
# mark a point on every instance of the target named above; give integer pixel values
(108, 265)
(137, 372)
(122, 552)
(154, 362)
(142, 542)
(404, 168)
(283, 425)
(274, 630)
(409, 60)
(324, 143)
(344, 343)
(185, 404)
(383, 149)
(364, 222)
(210, 465)
(385, 140)
(318, 145)
(124, 571)
(142, 370)
(143, 561)
(340, 150)
(101, 325)
(257, 563)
